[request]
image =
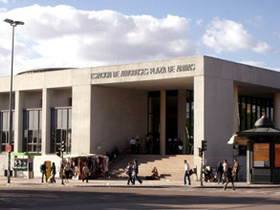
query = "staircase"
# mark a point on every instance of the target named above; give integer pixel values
(170, 167)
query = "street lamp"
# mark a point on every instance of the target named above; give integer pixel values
(13, 24)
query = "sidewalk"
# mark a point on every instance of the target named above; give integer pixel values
(123, 183)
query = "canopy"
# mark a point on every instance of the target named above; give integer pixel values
(25, 154)
(82, 155)
(237, 140)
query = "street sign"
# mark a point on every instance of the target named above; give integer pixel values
(8, 148)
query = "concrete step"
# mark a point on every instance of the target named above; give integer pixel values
(169, 166)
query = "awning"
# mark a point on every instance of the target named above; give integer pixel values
(25, 154)
(231, 140)
(260, 131)
(238, 140)
(82, 155)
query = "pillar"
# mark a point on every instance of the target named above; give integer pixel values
(46, 120)
(17, 124)
(163, 122)
(182, 117)
(81, 120)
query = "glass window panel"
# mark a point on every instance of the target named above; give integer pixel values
(40, 119)
(64, 119)
(5, 121)
(70, 118)
(261, 155)
(59, 119)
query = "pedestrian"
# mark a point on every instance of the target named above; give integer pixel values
(225, 168)
(53, 172)
(220, 172)
(129, 173)
(135, 172)
(43, 169)
(67, 172)
(229, 178)
(236, 170)
(85, 173)
(187, 173)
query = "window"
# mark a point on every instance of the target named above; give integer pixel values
(61, 128)
(4, 129)
(32, 126)
(251, 109)
(261, 155)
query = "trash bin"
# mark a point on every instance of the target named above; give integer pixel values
(6, 173)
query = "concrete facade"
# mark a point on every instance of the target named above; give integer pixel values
(109, 104)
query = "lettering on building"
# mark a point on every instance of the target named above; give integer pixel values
(143, 72)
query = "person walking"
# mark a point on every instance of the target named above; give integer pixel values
(129, 173)
(236, 170)
(187, 173)
(44, 171)
(135, 171)
(229, 178)
(53, 172)
(85, 173)
(220, 172)
(225, 168)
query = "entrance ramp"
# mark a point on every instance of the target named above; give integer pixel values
(170, 167)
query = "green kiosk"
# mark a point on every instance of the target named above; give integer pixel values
(23, 164)
(263, 151)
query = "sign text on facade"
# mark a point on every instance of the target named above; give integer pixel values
(143, 72)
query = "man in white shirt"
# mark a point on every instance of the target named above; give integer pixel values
(187, 173)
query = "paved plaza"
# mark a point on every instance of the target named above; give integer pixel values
(115, 194)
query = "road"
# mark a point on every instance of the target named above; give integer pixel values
(138, 197)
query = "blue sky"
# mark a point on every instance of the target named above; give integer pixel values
(87, 33)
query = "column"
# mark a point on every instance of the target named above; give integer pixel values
(182, 117)
(162, 122)
(276, 113)
(46, 120)
(18, 124)
(81, 121)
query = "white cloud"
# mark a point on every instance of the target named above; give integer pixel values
(199, 22)
(227, 35)
(254, 63)
(63, 36)
(4, 1)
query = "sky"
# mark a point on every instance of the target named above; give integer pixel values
(89, 33)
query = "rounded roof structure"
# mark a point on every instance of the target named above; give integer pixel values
(264, 122)
(42, 70)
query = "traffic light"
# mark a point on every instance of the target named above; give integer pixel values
(58, 153)
(203, 145)
(63, 146)
(200, 152)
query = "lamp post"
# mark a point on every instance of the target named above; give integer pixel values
(13, 24)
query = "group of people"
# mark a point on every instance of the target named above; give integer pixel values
(226, 173)
(43, 169)
(147, 145)
(174, 146)
(132, 172)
